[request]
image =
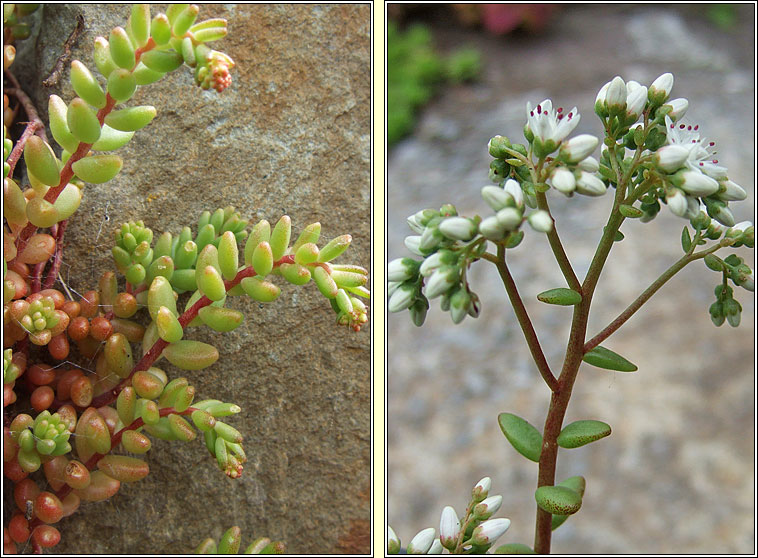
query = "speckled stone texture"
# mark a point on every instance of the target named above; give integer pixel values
(291, 135)
(677, 473)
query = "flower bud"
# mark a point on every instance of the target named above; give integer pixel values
(481, 489)
(413, 244)
(661, 88)
(615, 97)
(450, 527)
(678, 108)
(590, 164)
(402, 298)
(636, 98)
(514, 189)
(541, 221)
(589, 184)
(579, 147)
(487, 507)
(422, 542)
(671, 157)
(677, 201)
(402, 269)
(731, 191)
(489, 531)
(563, 180)
(458, 228)
(496, 147)
(492, 229)
(441, 281)
(496, 197)
(509, 218)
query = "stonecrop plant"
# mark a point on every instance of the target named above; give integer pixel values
(87, 366)
(649, 158)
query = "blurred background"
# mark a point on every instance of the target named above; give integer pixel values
(677, 474)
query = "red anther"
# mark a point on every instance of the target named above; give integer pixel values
(681, 126)
(697, 126)
(689, 127)
(560, 109)
(711, 144)
(539, 109)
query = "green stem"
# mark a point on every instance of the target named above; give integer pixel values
(523, 318)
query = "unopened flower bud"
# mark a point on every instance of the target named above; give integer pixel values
(413, 243)
(496, 197)
(695, 183)
(491, 229)
(615, 97)
(441, 281)
(514, 189)
(579, 147)
(402, 298)
(488, 507)
(671, 157)
(636, 98)
(481, 489)
(563, 180)
(489, 531)
(450, 527)
(497, 145)
(589, 184)
(590, 164)
(722, 214)
(509, 218)
(422, 542)
(402, 269)
(731, 191)
(458, 228)
(678, 108)
(541, 221)
(660, 89)
(436, 547)
(676, 201)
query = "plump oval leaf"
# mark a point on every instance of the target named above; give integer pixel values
(605, 358)
(558, 500)
(191, 355)
(98, 169)
(560, 296)
(583, 432)
(131, 119)
(514, 548)
(524, 437)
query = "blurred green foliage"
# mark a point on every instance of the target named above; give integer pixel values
(415, 72)
(723, 15)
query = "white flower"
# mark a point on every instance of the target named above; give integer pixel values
(422, 542)
(514, 189)
(688, 137)
(678, 108)
(489, 531)
(636, 98)
(677, 202)
(589, 184)
(393, 543)
(661, 87)
(450, 527)
(458, 228)
(563, 180)
(579, 147)
(671, 157)
(541, 221)
(550, 125)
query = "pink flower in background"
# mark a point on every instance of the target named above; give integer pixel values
(502, 18)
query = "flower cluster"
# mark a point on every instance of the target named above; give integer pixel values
(474, 533)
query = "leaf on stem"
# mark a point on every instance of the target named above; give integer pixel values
(524, 437)
(605, 358)
(583, 432)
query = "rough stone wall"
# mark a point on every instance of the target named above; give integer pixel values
(677, 474)
(292, 134)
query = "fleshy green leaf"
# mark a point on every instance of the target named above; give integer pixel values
(583, 432)
(558, 500)
(524, 437)
(514, 548)
(560, 296)
(98, 169)
(605, 358)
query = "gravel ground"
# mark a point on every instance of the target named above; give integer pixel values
(677, 474)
